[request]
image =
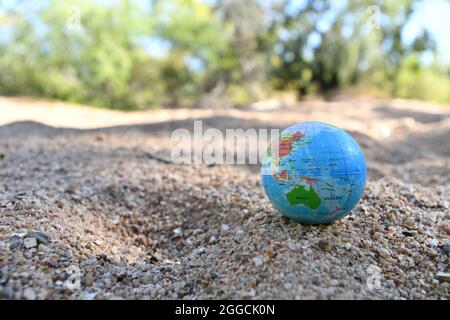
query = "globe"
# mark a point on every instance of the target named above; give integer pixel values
(316, 175)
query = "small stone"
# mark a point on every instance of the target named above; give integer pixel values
(41, 237)
(225, 227)
(21, 194)
(88, 280)
(30, 243)
(432, 253)
(212, 240)
(446, 227)
(294, 246)
(433, 242)
(383, 253)
(68, 254)
(142, 240)
(410, 222)
(249, 295)
(178, 231)
(52, 262)
(15, 241)
(269, 253)
(130, 203)
(201, 250)
(29, 294)
(444, 276)
(324, 245)
(73, 282)
(90, 295)
(396, 204)
(7, 293)
(446, 248)
(258, 261)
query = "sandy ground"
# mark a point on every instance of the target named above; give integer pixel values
(86, 214)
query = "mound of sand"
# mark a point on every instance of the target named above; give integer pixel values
(113, 223)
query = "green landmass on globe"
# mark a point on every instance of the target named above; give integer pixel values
(307, 197)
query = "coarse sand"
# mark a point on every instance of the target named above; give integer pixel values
(85, 213)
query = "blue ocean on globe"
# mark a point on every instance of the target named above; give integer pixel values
(319, 173)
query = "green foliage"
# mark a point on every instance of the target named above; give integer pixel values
(412, 81)
(91, 64)
(235, 51)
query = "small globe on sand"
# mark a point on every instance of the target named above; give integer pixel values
(316, 175)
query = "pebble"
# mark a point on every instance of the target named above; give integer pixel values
(446, 227)
(432, 253)
(15, 241)
(293, 246)
(446, 248)
(90, 295)
(433, 242)
(212, 240)
(29, 239)
(249, 294)
(29, 294)
(396, 204)
(88, 280)
(258, 261)
(383, 253)
(41, 237)
(444, 276)
(30, 243)
(410, 222)
(324, 245)
(52, 262)
(7, 293)
(288, 286)
(73, 282)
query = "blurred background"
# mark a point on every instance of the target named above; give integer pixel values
(132, 55)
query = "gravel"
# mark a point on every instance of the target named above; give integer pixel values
(85, 214)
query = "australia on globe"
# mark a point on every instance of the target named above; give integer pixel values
(316, 175)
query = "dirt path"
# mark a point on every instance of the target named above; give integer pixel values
(121, 225)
